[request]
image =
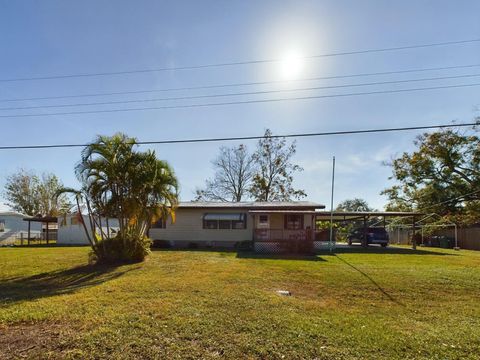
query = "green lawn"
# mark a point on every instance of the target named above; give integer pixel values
(364, 304)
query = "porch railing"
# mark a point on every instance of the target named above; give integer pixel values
(290, 235)
(288, 241)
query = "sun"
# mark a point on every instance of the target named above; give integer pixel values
(291, 65)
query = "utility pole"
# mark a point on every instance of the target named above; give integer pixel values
(330, 242)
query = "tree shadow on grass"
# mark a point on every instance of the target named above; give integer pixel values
(245, 254)
(358, 249)
(200, 249)
(255, 255)
(58, 282)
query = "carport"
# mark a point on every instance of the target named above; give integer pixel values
(46, 220)
(366, 216)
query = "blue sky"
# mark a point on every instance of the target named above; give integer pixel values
(66, 37)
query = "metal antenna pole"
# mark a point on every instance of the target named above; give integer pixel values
(330, 243)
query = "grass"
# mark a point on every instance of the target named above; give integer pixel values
(362, 304)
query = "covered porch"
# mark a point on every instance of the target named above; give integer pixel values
(285, 231)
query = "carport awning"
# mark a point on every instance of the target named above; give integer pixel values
(234, 217)
(282, 211)
(355, 215)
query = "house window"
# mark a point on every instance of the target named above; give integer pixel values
(293, 222)
(159, 224)
(239, 224)
(2, 225)
(224, 224)
(263, 219)
(210, 224)
(225, 221)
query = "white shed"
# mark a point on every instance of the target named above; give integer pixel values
(72, 232)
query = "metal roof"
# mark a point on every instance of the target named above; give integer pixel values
(350, 215)
(11, 213)
(45, 219)
(275, 211)
(299, 205)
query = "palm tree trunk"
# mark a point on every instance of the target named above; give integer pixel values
(85, 227)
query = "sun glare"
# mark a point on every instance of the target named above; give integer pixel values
(291, 66)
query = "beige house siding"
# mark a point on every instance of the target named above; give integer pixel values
(277, 221)
(188, 227)
(307, 222)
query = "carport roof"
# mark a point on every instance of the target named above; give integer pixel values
(351, 215)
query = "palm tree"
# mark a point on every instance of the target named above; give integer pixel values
(134, 187)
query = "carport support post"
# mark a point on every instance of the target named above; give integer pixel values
(414, 238)
(28, 238)
(364, 242)
(456, 237)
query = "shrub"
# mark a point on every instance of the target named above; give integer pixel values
(118, 250)
(161, 244)
(245, 245)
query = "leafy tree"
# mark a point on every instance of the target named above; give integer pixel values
(344, 228)
(234, 169)
(31, 195)
(273, 177)
(355, 204)
(134, 187)
(442, 176)
(49, 203)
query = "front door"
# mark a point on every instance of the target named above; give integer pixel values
(262, 227)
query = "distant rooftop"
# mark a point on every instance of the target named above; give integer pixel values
(305, 205)
(10, 213)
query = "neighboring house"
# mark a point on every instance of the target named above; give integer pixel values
(226, 225)
(12, 225)
(72, 232)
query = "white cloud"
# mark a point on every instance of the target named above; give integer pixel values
(352, 163)
(3, 207)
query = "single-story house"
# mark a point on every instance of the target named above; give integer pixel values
(12, 225)
(270, 225)
(72, 232)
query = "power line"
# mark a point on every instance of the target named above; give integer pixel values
(247, 62)
(239, 93)
(257, 137)
(185, 106)
(243, 84)
(452, 199)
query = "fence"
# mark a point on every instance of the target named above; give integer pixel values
(400, 236)
(468, 238)
(280, 241)
(21, 237)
